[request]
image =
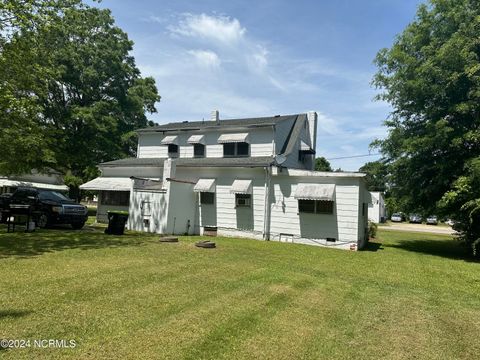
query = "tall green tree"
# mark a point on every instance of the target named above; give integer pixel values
(376, 175)
(81, 92)
(431, 77)
(322, 164)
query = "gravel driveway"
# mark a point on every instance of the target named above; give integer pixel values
(435, 229)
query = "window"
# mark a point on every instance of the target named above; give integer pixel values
(172, 150)
(236, 149)
(243, 200)
(198, 150)
(315, 206)
(207, 198)
(115, 198)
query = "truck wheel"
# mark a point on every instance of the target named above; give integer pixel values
(77, 225)
(42, 221)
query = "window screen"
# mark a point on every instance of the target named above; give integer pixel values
(115, 198)
(198, 150)
(207, 198)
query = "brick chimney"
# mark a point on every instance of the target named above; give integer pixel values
(215, 116)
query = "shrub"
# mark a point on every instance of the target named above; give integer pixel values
(372, 229)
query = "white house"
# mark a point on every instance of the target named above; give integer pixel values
(243, 177)
(51, 180)
(376, 207)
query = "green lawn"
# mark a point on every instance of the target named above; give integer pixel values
(411, 296)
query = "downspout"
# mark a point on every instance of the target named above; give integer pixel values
(266, 215)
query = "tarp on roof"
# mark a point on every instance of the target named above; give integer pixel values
(37, 185)
(205, 185)
(108, 184)
(196, 139)
(233, 138)
(323, 192)
(241, 187)
(171, 139)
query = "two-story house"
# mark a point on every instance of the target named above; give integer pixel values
(241, 177)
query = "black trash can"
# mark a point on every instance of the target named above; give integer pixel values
(116, 222)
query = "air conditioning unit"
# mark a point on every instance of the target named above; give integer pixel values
(243, 201)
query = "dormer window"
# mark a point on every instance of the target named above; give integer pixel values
(235, 145)
(198, 150)
(172, 142)
(198, 142)
(172, 151)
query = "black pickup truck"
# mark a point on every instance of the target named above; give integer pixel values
(48, 207)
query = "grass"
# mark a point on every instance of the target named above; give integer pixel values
(410, 296)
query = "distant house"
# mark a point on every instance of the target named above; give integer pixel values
(376, 207)
(244, 177)
(51, 181)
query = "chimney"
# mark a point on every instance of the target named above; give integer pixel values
(312, 128)
(215, 116)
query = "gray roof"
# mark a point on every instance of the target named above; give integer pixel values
(200, 125)
(260, 161)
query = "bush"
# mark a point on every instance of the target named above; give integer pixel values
(372, 229)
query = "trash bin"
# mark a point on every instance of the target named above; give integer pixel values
(116, 222)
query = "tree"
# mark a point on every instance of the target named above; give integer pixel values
(431, 77)
(376, 175)
(80, 94)
(322, 164)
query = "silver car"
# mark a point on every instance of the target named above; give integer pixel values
(396, 217)
(432, 220)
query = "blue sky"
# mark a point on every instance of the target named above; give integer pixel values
(262, 58)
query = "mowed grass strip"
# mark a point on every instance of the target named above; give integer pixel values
(411, 295)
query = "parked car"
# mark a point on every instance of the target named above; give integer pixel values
(432, 220)
(47, 207)
(415, 219)
(450, 222)
(397, 217)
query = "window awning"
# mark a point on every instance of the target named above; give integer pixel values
(196, 139)
(168, 140)
(306, 148)
(241, 187)
(17, 183)
(108, 183)
(233, 138)
(205, 185)
(323, 192)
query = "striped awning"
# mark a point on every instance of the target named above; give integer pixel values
(37, 185)
(233, 138)
(205, 185)
(241, 187)
(323, 192)
(108, 184)
(168, 140)
(196, 139)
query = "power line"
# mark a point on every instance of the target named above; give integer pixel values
(354, 156)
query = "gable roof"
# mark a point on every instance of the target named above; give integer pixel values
(201, 125)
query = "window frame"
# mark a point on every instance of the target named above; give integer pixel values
(247, 197)
(173, 154)
(199, 146)
(235, 149)
(205, 195)
(316, 207)
(108, 201)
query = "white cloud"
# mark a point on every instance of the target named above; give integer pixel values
(217, 28)
(206, 58)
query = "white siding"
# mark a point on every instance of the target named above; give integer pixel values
(314, 228)
(261, 144)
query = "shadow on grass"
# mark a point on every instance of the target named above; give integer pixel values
(451, 249)
(373, 246)
(13, 313)
(24, 245)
